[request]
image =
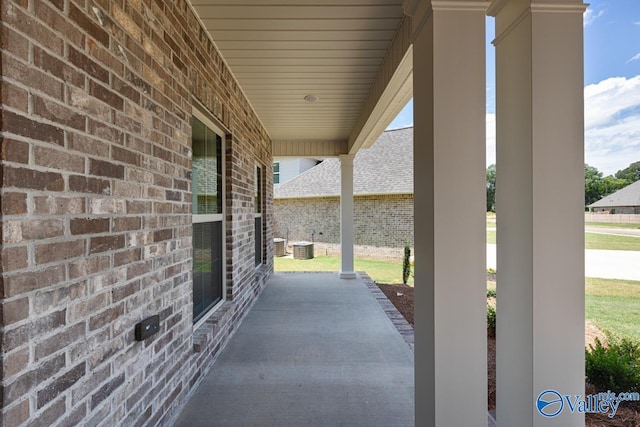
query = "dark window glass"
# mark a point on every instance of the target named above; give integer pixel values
(207, 231)
(207, 267)
(207, 170)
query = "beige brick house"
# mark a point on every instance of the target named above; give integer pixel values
(383, 201)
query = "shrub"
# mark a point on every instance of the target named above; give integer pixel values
(491, 292)
(491, 320)
(615, 367)
(406, 264)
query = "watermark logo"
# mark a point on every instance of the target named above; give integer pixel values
(550, 403)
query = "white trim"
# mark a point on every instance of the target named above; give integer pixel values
(461, 6)
(202, 113)
(200, 218)
(199, 111)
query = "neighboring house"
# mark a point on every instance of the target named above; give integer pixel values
(286, 168)
(308, 206)
(624, 201)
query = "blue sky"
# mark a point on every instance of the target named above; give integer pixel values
(612, 86)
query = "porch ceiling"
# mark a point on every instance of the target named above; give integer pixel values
(283, 50)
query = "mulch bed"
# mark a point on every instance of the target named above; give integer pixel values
(628, 415)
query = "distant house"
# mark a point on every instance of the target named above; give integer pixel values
(624, 201)
(286, 168)
(307, 207)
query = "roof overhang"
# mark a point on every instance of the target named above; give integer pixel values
(353, 56)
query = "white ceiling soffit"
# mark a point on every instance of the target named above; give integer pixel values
(283, 50)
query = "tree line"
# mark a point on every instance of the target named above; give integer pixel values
(596, 186)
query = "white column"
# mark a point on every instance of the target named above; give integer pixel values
(346, 216)
(540, 208)
(450, 204)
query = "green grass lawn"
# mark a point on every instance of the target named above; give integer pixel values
(614, 306)
(379, 271)
(611, 242)
(597, 241)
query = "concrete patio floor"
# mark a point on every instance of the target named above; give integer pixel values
(314, 350)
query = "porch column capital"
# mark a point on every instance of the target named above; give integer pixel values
(420, 10)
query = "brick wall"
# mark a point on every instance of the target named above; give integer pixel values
(97, 98)
(382, 223)
(618, 217)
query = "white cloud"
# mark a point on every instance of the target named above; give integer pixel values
(637, 23)
(612, 123)
(635, 58)
(590, 16)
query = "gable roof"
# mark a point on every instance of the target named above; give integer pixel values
(627, 196)
(385, 168)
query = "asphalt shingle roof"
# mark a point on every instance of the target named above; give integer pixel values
(385, 168)
(627, 196)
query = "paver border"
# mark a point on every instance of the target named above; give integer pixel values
(404, 328)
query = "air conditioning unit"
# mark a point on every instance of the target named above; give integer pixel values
(303, 250)
(279, 248)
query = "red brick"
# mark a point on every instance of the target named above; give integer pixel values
(106, 169)
(39, 229)
(31, 77)
(26, 178)
(56, 67)
(14, 96)
(26, 282)
(14, 258)
(89, 266)
(83, 184)
(17, 414)
(88, 145)
(89, 225)
(125, 156)
(55, 19)
(104, 131)
(127, 257)
(58, 113)
(61, 251)
(15, 151)
(50, 205)
(12, 41)
(21, 125)
(26, 24)
(126, 90)
(60, 384)
(106, 317)
(59, 341)
(106, 243)
(14, 363)
(127, 224)
(92, 107)
(14, 311)
(58, 159)
(92, 28)
(89, 66)
(106, 95)
(14, 203)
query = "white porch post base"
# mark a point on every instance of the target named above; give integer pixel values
(346, 217)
